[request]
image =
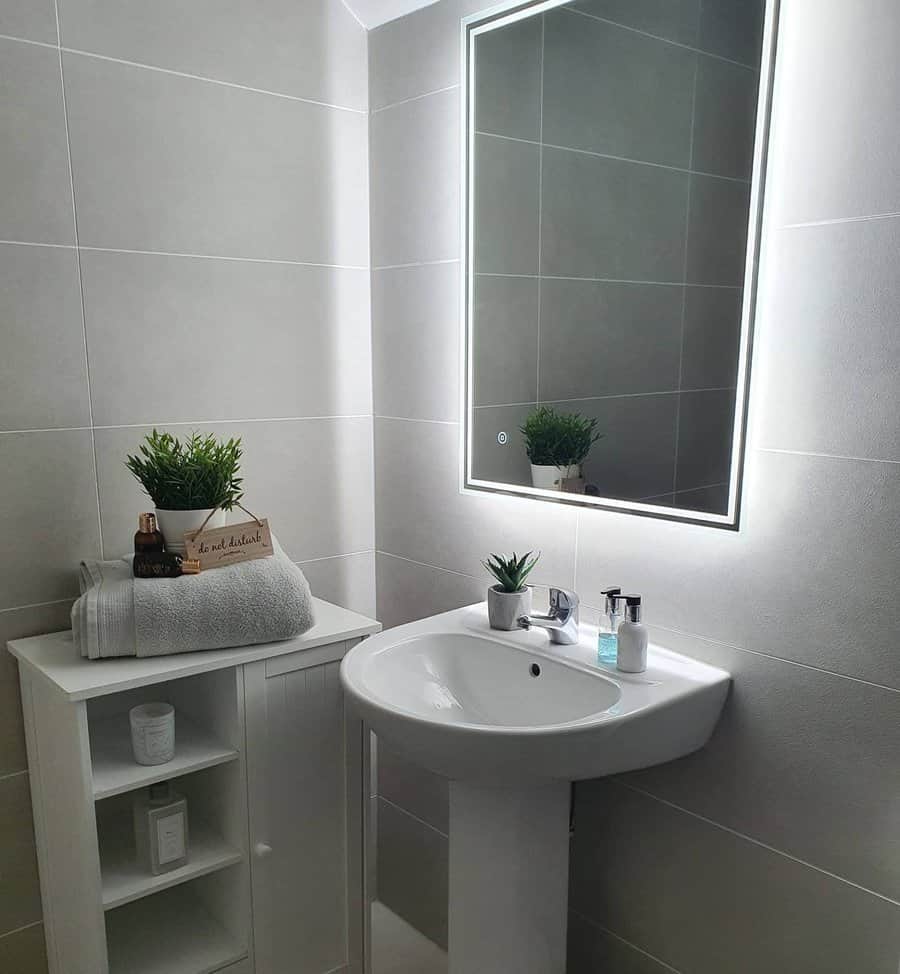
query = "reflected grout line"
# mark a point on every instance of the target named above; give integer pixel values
(826, 456)
(756, 842)
(622, 940)
(664, 40)
(684, 490)
(213, 81)
(406, 101)
(411, 815)
(416, 263)
(621, 395)
(610, 280)
(690, 171)
(837, 221)
(13, 774)
(413, 419)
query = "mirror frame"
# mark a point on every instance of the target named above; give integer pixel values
(507, 13)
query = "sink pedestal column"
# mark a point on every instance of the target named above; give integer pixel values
(509, 878)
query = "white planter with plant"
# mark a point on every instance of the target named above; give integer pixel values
(510, 598)
(557, 445)
(192, 484)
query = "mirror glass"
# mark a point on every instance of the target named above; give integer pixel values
(614, 161)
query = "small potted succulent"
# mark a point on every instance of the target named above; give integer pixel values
(189, 482)
(510, 598)
(557, 444)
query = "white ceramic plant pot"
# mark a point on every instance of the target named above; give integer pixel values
(506, 608)
(548, 476)
(173, 524)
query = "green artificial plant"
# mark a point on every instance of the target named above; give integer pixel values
(511, 572)
(558, 439)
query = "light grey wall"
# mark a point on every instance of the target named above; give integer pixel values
(611, 194)
(776, 847)
(216, 277)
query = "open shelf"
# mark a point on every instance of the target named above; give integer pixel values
(169, 933)
(124, 881)
(115, 771)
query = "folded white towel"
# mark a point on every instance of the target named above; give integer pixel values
(257, 601)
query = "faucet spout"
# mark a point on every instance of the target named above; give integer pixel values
(561, 622)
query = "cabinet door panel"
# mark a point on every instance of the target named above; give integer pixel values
(298, 819)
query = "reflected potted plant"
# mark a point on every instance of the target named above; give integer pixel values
(557, 445)
(189, 482)
(510, 598)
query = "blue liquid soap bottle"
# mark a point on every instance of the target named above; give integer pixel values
(607, 637)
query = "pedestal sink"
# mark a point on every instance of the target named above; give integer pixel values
(511, 721)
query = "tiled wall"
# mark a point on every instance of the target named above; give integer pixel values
(611, 194)
(777, 847)
(211, 272)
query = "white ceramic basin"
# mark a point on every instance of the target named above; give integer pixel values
(471, 703)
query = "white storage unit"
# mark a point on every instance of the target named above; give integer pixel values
(274, 774)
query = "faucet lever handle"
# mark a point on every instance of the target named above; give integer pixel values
(562, 600)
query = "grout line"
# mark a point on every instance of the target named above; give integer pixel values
(611, 280)
(836, 221)
(84, 335)
(192, 422)
(424, 564)
(250, 260)
(36, 605)
(411, 815)
(13, 774)
(664, 40)
(628, 943)
(406, 101)
(414, 419)
(416, 263)
(30, 243)
(756, 842)
(27, 926)
(684, 490)
(26, 40)
(608, 155)
(355, 16)
(346, 554)
(825, 456)
(540, 214)
(621, 395)
(212, 81)
(776, 659)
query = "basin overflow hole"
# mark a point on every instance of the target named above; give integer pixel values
(534, 669)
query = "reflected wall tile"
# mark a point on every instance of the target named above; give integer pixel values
(711, 343)
(505, 340)
(506, 462)
(724, 118)
(705, 430)
(508, 80)
(717, 231)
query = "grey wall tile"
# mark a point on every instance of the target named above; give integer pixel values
(828, 341)
(711, 343)
(717, 231)
(414, 789)
(48, 507)
(36, 203)
(505, 340)
(705, 431)
(707, 901)
(409, 591)
(311, 50)
(822, 112)
(724, 118)
(792, 582)
(636, 456)
(16, 624)
(592, 950)
(610, 219)
(311, 478)
(302, 332)
(676, 20)
(347, 580)
(787, 735)
(611, 90)
(415, 181)
(20, 898)
(423, 516)
(506, 205)
(503, 463)
(42, 373)
(508, 80)
(412, 871)
(155, 155)
(607, 339)
(415, 341)
(732, 29)
(31, 19)
(418, 53)
(24, 951)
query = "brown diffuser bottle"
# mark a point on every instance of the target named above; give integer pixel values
(148, 538)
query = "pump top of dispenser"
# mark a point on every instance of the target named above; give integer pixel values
(614, 599)
(633, 609)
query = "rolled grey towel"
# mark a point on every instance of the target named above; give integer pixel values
(259, 601)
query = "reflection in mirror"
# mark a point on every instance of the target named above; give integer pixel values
(614, 161)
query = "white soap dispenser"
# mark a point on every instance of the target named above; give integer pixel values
(632, 640)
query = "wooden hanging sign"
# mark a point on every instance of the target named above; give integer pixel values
(229, 545)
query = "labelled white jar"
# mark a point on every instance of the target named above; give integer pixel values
(153, 733)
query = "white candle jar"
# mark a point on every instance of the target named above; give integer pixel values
(153, 733)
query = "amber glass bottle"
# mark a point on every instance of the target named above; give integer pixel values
(148, 537)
